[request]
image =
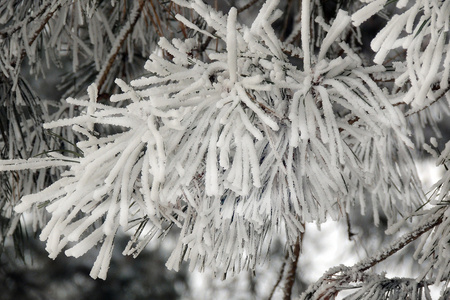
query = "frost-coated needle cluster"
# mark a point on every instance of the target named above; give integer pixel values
(240, 145)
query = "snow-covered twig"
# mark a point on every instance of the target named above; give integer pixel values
(30, 18)
(234, 146)
(333, 280)
(118, 43)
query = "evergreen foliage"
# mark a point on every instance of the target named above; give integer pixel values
(235, 132)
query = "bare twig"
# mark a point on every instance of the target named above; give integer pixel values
(206, 43)
(286, 19)
(157, 17)
(290, 277)
(280, 276)
(155, 26)
(349, 227)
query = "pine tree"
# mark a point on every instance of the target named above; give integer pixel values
(236, 132)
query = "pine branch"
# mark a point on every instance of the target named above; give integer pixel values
(120, 40)
(17, 26)
(419, 109)
(247, 6)
(36, 33)
(43, 24)
(328, 285)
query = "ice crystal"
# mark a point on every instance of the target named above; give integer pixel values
(234, 146)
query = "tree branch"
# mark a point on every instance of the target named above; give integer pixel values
(280, 276)
(417, 110)
(120, 40)
(12, 29)
(36, 33)
(247, 6)
(290, 277)
(327, 286)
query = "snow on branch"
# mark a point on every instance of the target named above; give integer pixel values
(380, 287)
(342, 277)
(433, 227)
(118, 43)
(435, 248)
(234, 146)
(421, 29)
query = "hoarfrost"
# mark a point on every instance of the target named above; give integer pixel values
(239, 144)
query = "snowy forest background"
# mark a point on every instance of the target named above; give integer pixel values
(224, 149)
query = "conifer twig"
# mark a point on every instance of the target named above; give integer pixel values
(414, 111)
(30, 18)
(36, 34)
(327, 286)
(120, 40)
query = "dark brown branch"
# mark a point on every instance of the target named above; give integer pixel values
(280, 276)
(12, 29)
(290, 277)
(124, 33)
(36, 34)
(349, 227)
(247, 6)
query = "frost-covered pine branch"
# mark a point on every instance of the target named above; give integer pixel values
(426, 67)
(36, 36)
(233, 149)
(354, 277)
(233, 140)
(93, 34)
